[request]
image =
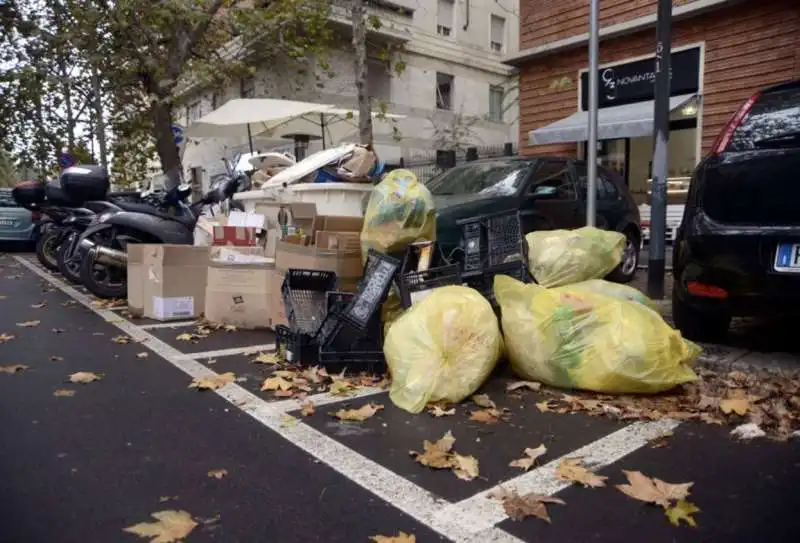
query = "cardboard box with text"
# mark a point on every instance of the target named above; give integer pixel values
(174, 281)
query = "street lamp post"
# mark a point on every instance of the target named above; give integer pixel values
(591, 143)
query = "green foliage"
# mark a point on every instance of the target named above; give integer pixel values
(8, 173)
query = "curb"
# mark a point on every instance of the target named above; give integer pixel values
(731, 359)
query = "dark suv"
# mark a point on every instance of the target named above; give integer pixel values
(737, 251)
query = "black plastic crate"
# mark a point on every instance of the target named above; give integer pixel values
(379, 276)
(484, 283)
(490, 241)
(296, 347)
(348, 347)
(304, 297)
(439, 273)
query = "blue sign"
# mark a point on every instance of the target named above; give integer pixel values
(66, 160)
(177, 133)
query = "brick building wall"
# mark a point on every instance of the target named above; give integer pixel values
(747, 46)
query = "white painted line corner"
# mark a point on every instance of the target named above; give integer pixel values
(246, 351)
(173, 324)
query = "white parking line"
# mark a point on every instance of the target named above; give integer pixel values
(247, 351)
(324, 398)
(397, 491)
(174, 324)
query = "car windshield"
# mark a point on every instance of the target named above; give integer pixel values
(6, 200)
(498, 178)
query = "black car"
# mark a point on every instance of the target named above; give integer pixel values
(549, 191)
(737, 251)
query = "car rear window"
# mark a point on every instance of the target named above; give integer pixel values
(774, 114)
(6, 200)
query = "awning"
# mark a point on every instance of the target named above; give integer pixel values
(627, 121)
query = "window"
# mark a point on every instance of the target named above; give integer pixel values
(555, 173)
(606, 188)
(496, 95)
(193, 111)
(774, 115)
(444, 17)
(495, 178)
(216, 100)
(497, 37)
(247, 87)
(379, 81)
(444, 91)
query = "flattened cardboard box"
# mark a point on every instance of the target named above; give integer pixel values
(136, 279)
(175, 281)
(239, 293)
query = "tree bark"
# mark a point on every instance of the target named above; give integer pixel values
(362, 93)
(100, 124)
(161, 112)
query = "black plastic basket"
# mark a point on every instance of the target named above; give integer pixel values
(379, 276)
(484, 283)
(304, 298)
(296, 347)
(490, 241)
(440, 273)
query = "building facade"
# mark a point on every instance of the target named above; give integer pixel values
(722, 52)
(454, 88)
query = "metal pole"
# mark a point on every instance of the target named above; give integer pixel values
(591, 143)
(249, 138)
(658, 204)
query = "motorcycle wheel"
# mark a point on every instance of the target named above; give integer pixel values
(47, 250)
(103, 281)
(70, 270)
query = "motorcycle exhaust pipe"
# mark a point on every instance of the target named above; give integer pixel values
(110, 257)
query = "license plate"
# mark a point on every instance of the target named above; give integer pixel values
(7, 222)
(787, 257)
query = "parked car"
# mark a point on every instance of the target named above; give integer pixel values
(737, 250)
(16, 223)
(549, 191)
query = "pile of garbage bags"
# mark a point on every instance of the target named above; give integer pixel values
(570, 329)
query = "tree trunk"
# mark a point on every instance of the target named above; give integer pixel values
(161, 112)
(360, 47)
(100, 124)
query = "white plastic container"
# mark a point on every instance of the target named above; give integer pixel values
(339, 199)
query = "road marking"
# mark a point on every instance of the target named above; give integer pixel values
(174, 324)
(251, 350)
(324, 398)
(395, 490)
(479, 512)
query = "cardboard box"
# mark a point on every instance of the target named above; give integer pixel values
(174, 281)
(346, 263)
(238, 288)
(333, 223)
(347, 241)
(136, 279)
(237, 236)
(277, 310)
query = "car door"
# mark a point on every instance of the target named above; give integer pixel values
(608, 204)
(561, 209)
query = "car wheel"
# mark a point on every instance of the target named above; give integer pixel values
(698, 325)
(626, 271)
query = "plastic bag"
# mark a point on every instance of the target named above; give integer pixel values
(573, 338)
(443, 348)
(400, 211)
(615, 290)
(563, 257)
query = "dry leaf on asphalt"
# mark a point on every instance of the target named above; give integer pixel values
(572, 469)
(121, 340)
(683, 511)
(531, 455)
(439, 411)
(84, 377)
(739, 406)
(440, 455)
(39, 305)
(341, 388)
(64, 393)
(276, 383)
(543, 407)
(402, 537)
(171, 526)
(465, 467)
(14, 368)
(268, 358)
(307, 408)
(520, 507)
(28, 324)
(185, 337)
(530, 385)
(6, 337)
(217, 473)
(483, 400)
(361, 414)
(142, 355)
(643, 488)
(214, 382)
(487, 416)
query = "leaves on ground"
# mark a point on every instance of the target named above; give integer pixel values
(268, 358)
(487, 416)
(307, 408)
(402, 537)
(683, 511)
(186, 336)
(39, 305)
(483, 400)
(170, 526)
(341, 388)
(6, 337)
(121, 340)
(29, 324)
(439, 411)
(740, 406)
(520, 507)
(276, 383)
(64, 393)
(671, 497)
(573, 470)
(517, 385)
(359, 415)
(440, 455)
(84, 377)
(217, 473)
(214, 382)
(14, 368)
(142, 355)
(531, 455)
(110, 304)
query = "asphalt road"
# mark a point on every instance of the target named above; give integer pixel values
(138, 441)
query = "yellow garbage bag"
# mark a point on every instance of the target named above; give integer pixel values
(442, 348)
(400, 211)
(584, 340)
(615, 290)
(563, 257)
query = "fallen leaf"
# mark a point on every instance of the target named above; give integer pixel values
(436, 455)
(543, 407)
(39, 305)
(267, 358)
(64, 393)
(14, 368)
(307, 409)
(217, 473)
(465, 467)
(748, 431)
(643, 488)
(171, 526)
(276, 383)
(438, 411)
(531, 455)
(28, 324)
(142, 355)
(6, 337)
(402, 537)
(483, 400)
(163, 499)
(487, 416)
(739, 406)
(185, 337)
(84, 377)
(121, 340)
(572, 469)
(361, 414)
(341, 388)
(682, 511)
(520, 507)
(288, 421)
(530, 385)
(214, 382)
(56, 359)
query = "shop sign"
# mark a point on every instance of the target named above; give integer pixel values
(634, 81)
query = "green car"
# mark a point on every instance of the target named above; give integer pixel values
(16, 223)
